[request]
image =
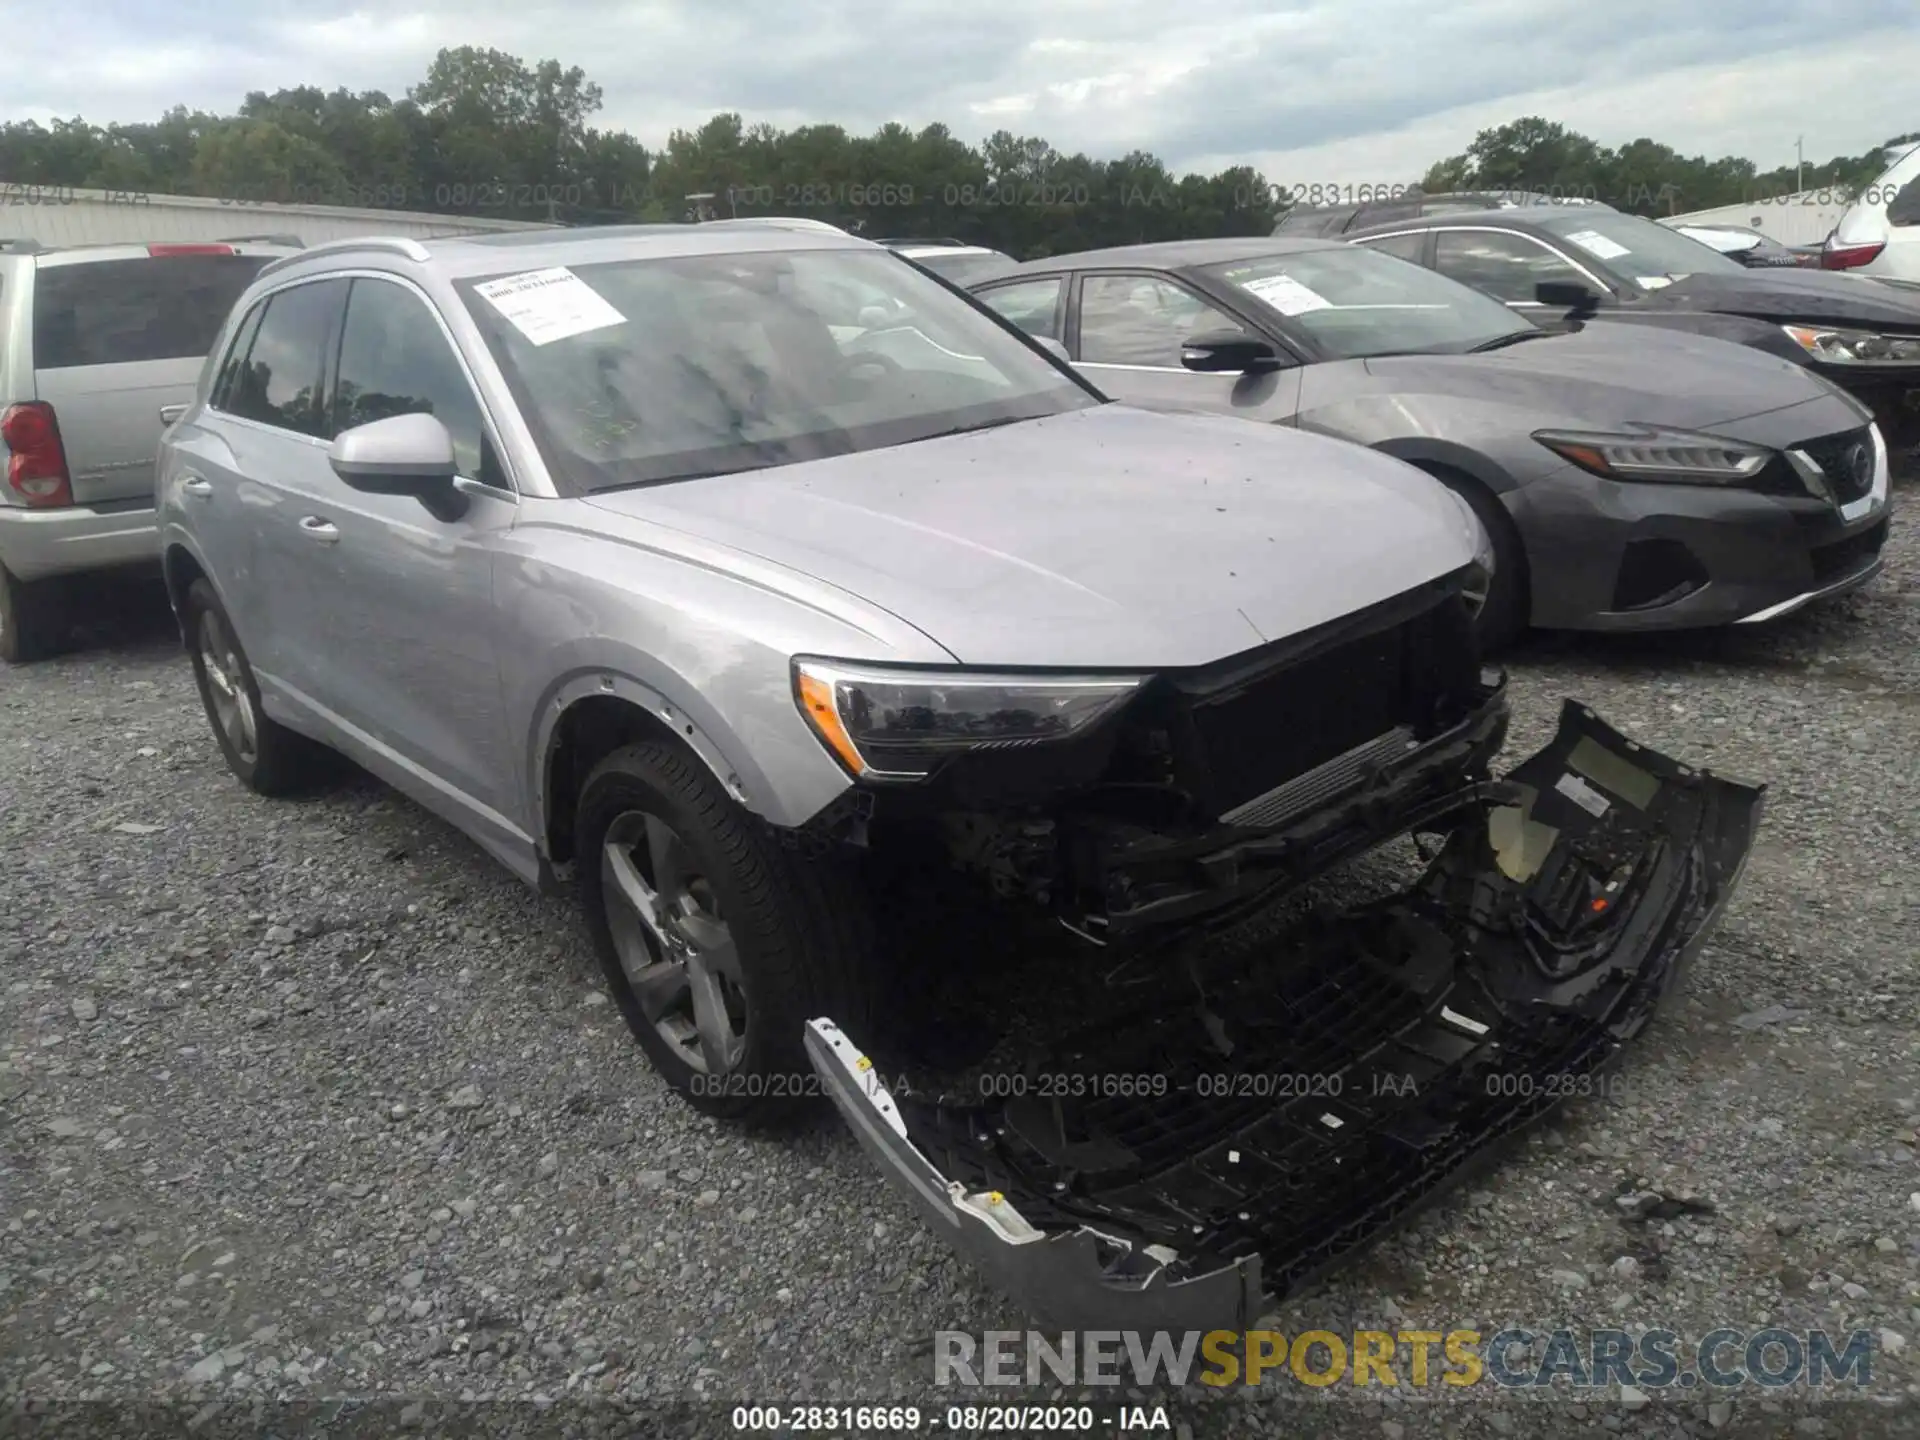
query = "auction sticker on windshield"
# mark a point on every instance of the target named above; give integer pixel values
(548, 305)
(1287, 295)
(1594, 243)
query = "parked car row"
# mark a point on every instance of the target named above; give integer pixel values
(1861, 334)
(1626, 478)
(740, 573)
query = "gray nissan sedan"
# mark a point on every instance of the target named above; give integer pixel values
(1630, 478)
(744, 575)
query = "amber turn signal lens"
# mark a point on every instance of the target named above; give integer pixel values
(817, 703)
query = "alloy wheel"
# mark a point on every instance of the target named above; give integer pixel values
(226, 687)
(1478, 585)
(677, 953)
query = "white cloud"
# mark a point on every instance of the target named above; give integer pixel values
(1704, 109)
(1365, 91)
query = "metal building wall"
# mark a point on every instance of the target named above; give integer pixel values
(62, 215)
(1803, 219)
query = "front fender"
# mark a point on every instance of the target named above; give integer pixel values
(784, 776)
(1761, 335)
(1425, 450)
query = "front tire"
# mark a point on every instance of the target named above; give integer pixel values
(268, 758)
(718, 942)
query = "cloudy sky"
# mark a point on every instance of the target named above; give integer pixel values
(1341, 92)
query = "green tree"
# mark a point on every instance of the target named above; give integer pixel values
(486, 133)
(258, 160)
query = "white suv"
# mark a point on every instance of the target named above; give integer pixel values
(1880, 233)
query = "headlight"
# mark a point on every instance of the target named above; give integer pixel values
(888, 724)
(1649, 453)
(1855, 347)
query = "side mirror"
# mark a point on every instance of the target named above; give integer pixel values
(1567, 295)
(1228, 350)
(401, 455)
(1054, 348)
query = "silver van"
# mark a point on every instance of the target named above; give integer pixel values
(95, 343)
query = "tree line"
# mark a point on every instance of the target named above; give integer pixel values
(1643, 175)
(485, 134)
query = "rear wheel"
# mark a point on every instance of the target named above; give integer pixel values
(265, 755)
(31, 626)
(718, 942)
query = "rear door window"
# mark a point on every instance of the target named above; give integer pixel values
(280, 381)
(1410, 246)
(1383, 214)
(1033, 305)
(116, 312)
(1904, 207)
(223, 383)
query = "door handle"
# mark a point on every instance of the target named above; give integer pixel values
(200, 489)
(321, 532)
(171, 413)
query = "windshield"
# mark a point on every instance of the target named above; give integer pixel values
(1649, 254)
(644, 371)
(1353, 303)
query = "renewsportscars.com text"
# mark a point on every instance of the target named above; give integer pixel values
(1514, 1358)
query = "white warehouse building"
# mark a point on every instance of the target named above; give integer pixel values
(1803, 219)
(62, 215)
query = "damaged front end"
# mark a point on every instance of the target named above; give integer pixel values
(1199, 1152)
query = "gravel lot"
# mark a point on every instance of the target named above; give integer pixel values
(311, 1099)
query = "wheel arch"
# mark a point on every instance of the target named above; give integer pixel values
(590, 714)
(1431, 453)
(1456, 466)
(180, 567)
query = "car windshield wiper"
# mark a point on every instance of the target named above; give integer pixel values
(1500, 342)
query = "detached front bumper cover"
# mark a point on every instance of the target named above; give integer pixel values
(1319, 1091)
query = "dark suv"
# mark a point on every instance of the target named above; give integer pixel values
(1314, 222)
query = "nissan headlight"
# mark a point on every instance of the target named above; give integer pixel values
(886, 723)
(1854, 347)
(1651, 453)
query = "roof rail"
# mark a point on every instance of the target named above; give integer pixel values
(926, 240)
(22, 246)
(387, 244)
(290, 240)
(779, 222)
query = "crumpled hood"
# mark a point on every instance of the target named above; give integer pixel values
(1106, 537)
(1817, 296)
(1613, 374)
